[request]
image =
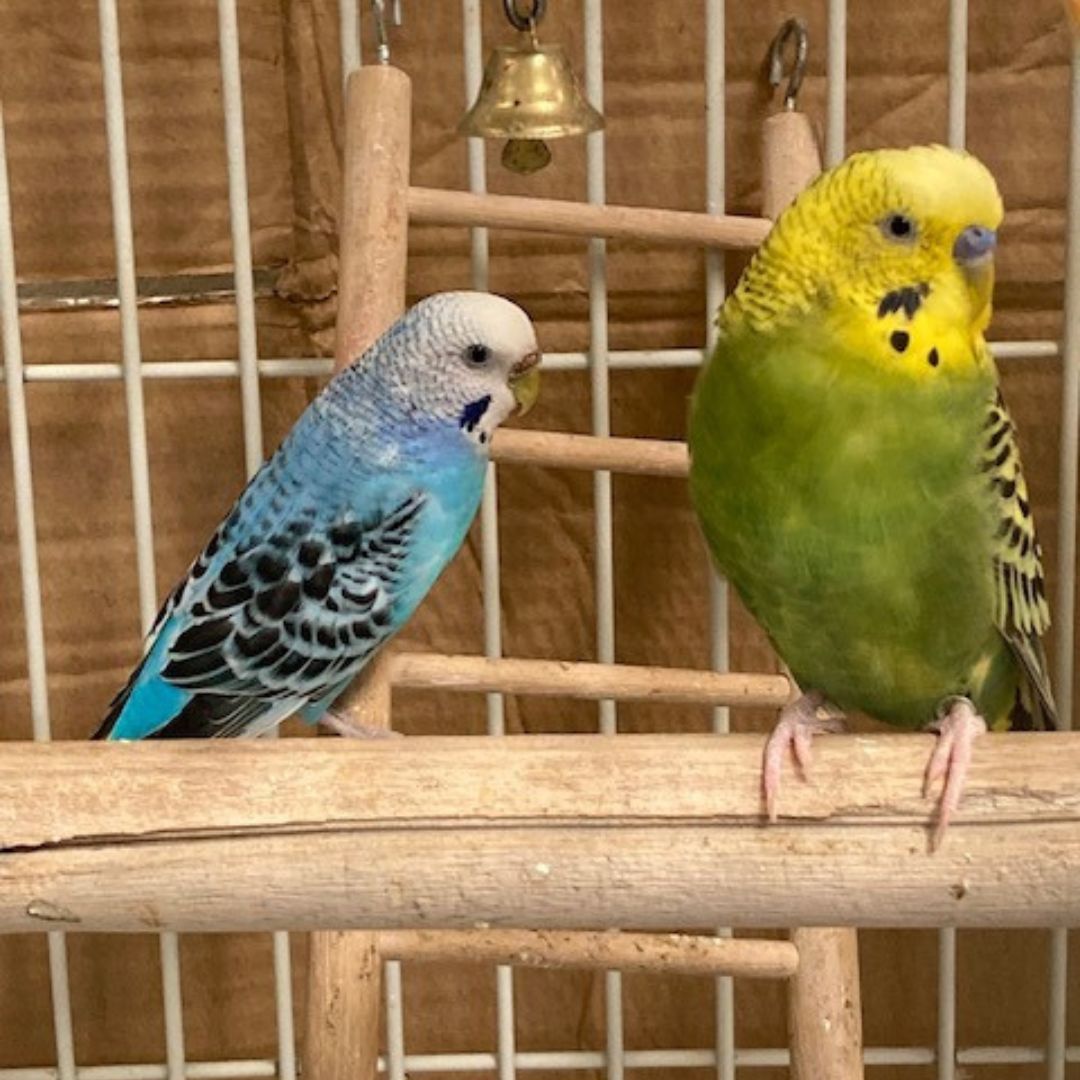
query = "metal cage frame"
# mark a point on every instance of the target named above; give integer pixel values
(725, 1057)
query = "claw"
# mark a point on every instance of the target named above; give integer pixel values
(797, 726)
(340, 724)
(957, 731)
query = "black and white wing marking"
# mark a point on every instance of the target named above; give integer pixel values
(1021, 611)
(287, 619)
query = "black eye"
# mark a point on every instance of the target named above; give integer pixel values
(898, 227)
(477, 355)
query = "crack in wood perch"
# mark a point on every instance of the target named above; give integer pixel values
(558, 832)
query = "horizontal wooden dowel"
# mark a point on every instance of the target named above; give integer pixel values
(562, 832)
(576, 679)
(436, 207)
(563, 450)
(672, 954)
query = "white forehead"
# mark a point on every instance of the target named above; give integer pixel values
(482, 318)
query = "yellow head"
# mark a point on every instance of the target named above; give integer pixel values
(892, 251)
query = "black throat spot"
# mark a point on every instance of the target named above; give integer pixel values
(473, 413)
(907, 299)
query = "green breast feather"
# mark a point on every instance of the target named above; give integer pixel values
(879, 532)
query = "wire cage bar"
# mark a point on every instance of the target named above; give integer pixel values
(725, 1057)
(491, 577)
(124, 240)
(1065, 599)
(31, 576)
(290, 367)
(716, 203)
(250, 404)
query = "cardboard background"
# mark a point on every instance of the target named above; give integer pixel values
(50, 84)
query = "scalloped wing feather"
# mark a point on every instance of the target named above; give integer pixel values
(1021, 611)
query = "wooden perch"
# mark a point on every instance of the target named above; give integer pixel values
(344, 972)
(674, 954)
(587, 832)
(566, 678)
(563, 450)
(435, 207)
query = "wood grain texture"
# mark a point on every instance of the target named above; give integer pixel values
(374, 216)
(790, 159)
(344, 971)
(672, 954)
(344, 985)
(341, 1039)
(563, 450)
(571, 832)
(566, 678)
(824, 1006)
(566, 217)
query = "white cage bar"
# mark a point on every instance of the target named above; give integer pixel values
(250, 404)
(124, 239)
(248, 369)
(491, 576)
(603, 505)
(289, 367)
(715, 203)
(1065, 606)
(31, 578)
(956, 115)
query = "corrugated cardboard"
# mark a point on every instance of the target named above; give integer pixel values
(50, 81)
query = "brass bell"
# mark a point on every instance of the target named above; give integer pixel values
(529, 94)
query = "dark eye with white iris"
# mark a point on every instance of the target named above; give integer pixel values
(898, 227)
(477, 355)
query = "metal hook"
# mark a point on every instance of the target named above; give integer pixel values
(792, 30)
(524, 22)
(382, 39)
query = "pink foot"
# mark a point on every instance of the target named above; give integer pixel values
(957, 731)
(797, 726)
(340, 724)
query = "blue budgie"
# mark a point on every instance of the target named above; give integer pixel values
(339, 536)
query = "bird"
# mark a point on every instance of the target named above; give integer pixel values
(337, 538)
(856, 472)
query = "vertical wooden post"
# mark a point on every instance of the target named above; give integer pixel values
(344, 969)
(375, 213)
(790, 159)
(824, 1009)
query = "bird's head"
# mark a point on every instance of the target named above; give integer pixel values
(468, 358)
(894, 250)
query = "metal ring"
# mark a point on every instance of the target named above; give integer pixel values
(793, 30)
(524, 22)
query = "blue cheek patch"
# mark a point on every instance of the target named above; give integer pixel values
(472, 414)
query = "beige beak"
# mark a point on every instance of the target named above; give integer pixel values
(525, 382)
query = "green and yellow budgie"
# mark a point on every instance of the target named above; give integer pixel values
(856, 471)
